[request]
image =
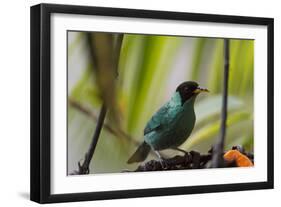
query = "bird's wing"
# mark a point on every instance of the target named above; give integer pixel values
(157, 120)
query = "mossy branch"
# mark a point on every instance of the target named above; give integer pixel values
(190, 160)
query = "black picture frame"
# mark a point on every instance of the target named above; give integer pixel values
(41, 99)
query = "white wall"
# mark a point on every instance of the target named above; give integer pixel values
(14, 101)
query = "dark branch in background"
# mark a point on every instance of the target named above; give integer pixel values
(117, 49)
(217, 159)
(191, 160)
(104, 53)
(84, 168)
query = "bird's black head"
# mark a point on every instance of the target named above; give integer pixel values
(189, 89)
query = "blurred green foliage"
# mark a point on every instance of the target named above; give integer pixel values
(149, 69)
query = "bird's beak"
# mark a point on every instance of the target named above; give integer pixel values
(199, 90)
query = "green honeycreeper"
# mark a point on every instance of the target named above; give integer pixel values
(172, 124)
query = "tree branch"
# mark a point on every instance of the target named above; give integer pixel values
(191, 160)
(217, 159)
(102, 52)
(84, 168)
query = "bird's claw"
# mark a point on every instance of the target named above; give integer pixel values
(164, 164)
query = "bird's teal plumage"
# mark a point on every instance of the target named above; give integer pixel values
(171, 124)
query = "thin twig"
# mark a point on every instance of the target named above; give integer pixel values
(217, 160)
(87, 111)
(84, 168)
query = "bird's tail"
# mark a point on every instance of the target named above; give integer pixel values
(140, 154)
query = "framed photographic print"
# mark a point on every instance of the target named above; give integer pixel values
(132, 103)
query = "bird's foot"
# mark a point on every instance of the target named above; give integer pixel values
(162, 160)
(164, 163)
